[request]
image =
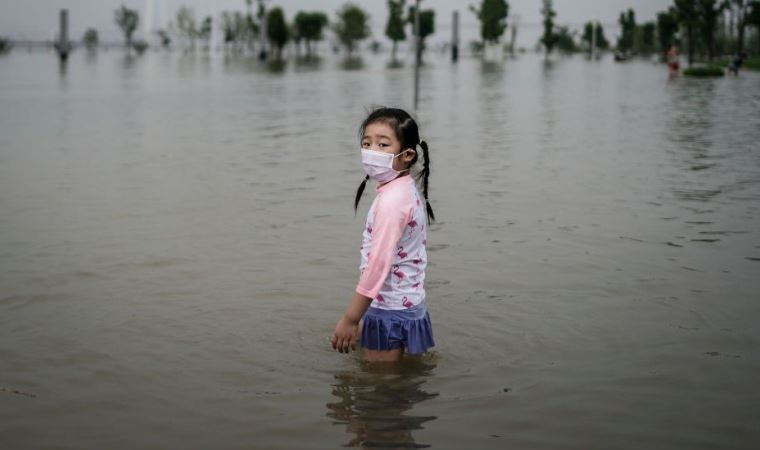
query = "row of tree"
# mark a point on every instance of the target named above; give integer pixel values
(709, 27)
(270, 27)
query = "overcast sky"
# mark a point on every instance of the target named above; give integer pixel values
(37, 19)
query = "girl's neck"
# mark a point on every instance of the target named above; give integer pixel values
(405, 174)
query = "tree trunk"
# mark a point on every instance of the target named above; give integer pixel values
(393, 51)
(690, 34)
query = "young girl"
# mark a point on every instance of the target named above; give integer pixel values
(390, 295)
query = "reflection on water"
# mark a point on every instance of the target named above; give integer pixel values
(374, 403)
(176, 229)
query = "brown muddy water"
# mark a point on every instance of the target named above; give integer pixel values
(177, 241)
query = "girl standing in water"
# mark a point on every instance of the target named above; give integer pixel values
(388, 311)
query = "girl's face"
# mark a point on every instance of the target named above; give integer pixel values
(379, 136)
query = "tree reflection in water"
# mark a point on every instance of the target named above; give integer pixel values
(374, 400)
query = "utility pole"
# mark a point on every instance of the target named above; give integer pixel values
(263, 31)
(455, 37)
(63, 46)
(418, 49)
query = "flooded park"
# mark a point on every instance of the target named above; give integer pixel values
(177, 239)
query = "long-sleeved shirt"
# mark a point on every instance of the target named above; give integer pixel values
(393, 256)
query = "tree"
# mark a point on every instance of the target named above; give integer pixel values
(249, 29)
(566, 40)
(710, 11)
(627, 22)
(741, 10)
(236, 28)
(588, 36)
(644, 41)
(90, 38)
(204, 32)
(164, 37)
(549, 38)
(394, 29)
(186, 24)
(492, 15)
(351, 26)
(308, 26)
(427, 26)
(127, 19)
(277, 30)
(667, 26)
(687, 13)
(753, 18)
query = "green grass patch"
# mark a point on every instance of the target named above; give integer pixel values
(752, 63)
(704, 71)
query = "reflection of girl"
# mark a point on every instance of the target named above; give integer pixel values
(390, 295)
(376, 405)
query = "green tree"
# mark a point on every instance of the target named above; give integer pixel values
(753, 18)
(644, 41)
(351, 26)
(308, 26)
(236, 28)
(710, 12)
(204, 32)
(186, 24)
(5, 45)
(127, 19)
(741, 10)
(394, 29)
(549, 38)
(164, 37)
(687, 13)
(90, 38)
(492, 15)
(627, 22)
(667, 26)
(566, 40)
(277, 30)
(427, 26)
(588, 36)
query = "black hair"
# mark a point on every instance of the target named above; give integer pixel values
(408, 134)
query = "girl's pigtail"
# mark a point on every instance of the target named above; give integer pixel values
(359, 193)
(425, 175)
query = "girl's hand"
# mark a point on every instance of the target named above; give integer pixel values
(346, 335)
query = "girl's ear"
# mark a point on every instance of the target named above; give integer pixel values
(410, 155)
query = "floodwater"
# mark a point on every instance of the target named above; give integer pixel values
(177, 241)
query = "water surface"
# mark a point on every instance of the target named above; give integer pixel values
(177, 241)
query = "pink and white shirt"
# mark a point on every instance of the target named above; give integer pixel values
(393, 247)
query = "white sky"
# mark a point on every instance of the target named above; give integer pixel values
(38, 19)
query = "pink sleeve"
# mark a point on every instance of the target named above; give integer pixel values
(392, 213)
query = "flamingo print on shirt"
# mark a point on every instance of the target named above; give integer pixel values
(393, 251)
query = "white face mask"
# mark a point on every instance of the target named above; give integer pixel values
(379, 165)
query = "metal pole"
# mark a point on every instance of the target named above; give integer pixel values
(418, 49)
(455, 38)
(263, 33)
(63, 38)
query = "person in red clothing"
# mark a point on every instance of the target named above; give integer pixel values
(672, 57)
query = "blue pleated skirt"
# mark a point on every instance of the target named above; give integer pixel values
(388, 329)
